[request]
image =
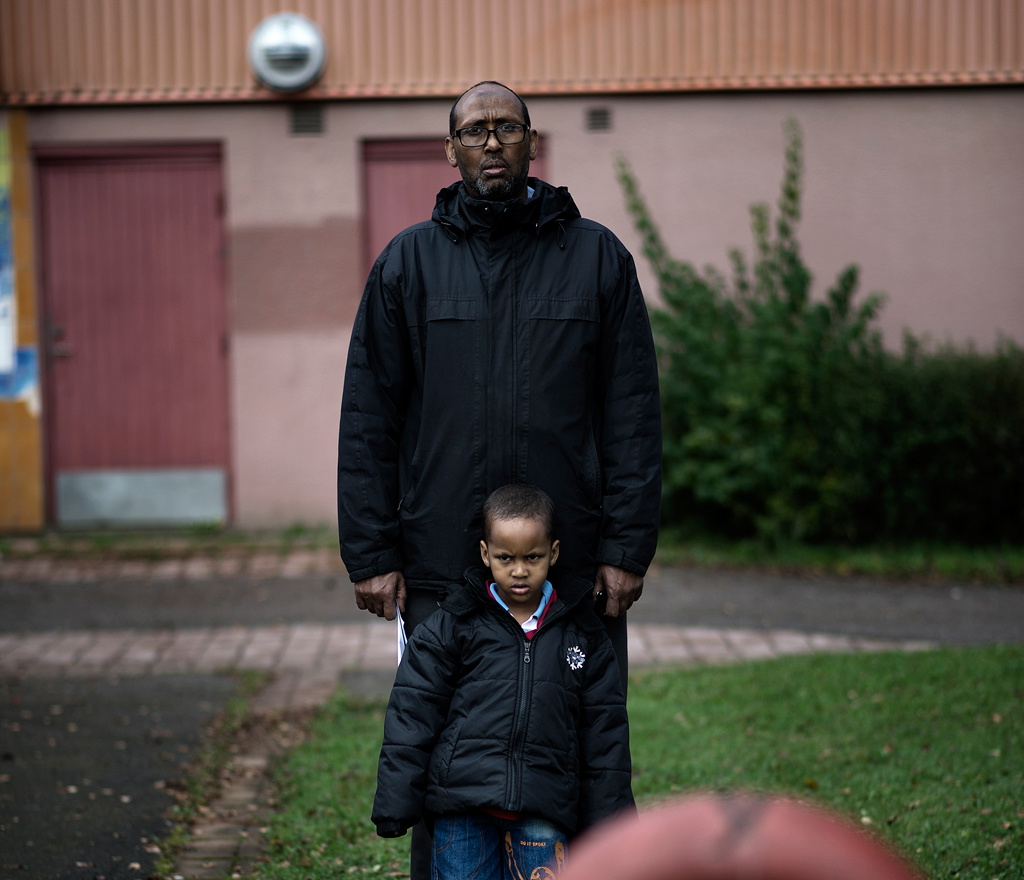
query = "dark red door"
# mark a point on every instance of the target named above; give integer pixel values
(137, 414)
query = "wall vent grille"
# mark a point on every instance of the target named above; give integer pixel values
(307, 118)
(599, 119)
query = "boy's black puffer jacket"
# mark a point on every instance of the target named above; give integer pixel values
(482, 717)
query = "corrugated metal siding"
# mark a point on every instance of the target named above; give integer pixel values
(101, 51)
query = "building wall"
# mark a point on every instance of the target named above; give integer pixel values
(296, 272)
(923, 189)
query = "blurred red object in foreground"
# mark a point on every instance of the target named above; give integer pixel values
(734, 836)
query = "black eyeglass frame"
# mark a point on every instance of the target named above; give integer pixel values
(523, 128)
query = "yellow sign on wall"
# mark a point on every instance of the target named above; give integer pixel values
(21, 470)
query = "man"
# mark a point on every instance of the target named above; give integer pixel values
(505, 340)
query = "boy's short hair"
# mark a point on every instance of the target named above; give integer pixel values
(519, 501)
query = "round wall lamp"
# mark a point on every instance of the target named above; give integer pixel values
(287, 52)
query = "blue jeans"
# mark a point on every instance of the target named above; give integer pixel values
(484, 847)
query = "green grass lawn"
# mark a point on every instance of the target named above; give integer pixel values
(924, 749)
(918, 562)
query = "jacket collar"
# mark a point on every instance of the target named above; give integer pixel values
(460, 214)
(472, 593)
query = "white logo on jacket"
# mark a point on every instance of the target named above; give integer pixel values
(575, 658)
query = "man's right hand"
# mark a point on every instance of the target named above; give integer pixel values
(382, 594)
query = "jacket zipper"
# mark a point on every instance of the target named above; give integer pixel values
(521, 724)
(519, 731)
(516, 476)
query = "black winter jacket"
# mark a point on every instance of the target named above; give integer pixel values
(499, 343)
(482, 717)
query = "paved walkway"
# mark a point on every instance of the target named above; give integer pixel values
(256, 598)
(308, 660)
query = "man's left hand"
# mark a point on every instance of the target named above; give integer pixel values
(621, 587)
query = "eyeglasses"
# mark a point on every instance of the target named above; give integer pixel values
(507, 134)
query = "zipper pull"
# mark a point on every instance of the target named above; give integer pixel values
(526, 653)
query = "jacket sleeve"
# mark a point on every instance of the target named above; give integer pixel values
(374, 404)
(416, 714)
(631, 427)
(605, 764)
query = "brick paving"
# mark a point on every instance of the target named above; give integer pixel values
(323, 652)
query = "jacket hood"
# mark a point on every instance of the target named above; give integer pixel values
(459, 214)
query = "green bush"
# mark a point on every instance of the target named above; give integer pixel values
(951, 465)
(785, 418)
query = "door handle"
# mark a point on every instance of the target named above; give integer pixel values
(56, 347)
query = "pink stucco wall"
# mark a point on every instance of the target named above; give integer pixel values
(924, 189)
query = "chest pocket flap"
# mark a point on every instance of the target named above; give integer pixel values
(549, 309)
(452, 310)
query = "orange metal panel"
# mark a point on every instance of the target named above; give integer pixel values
(102, 51)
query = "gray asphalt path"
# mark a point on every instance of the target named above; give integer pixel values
(949, 613)
(953, 614)
(88, 765)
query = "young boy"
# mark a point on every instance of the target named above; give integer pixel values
(506, 729)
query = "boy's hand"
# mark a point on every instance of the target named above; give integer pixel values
(622, 588)
(382, 594)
